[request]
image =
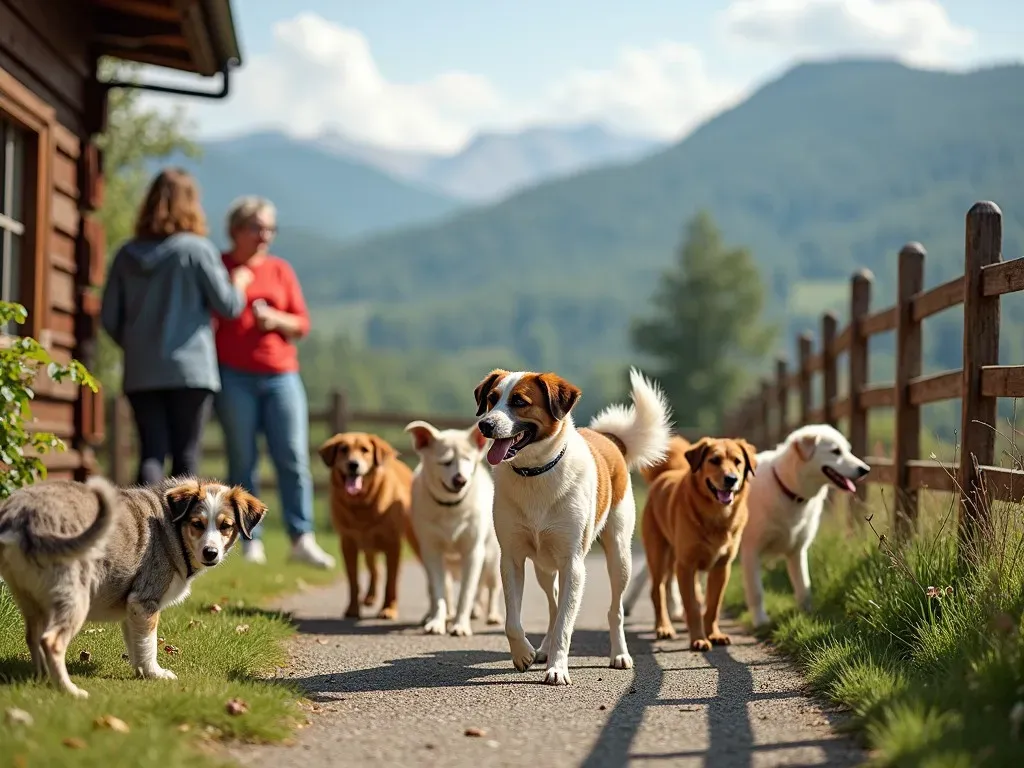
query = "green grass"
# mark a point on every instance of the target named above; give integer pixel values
(172, 723)
(930, 681)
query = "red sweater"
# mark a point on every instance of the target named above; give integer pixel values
(240, 343)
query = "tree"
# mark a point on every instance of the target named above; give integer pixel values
(135, 136)
(706, 335)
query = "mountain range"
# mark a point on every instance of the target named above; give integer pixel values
(828, 168)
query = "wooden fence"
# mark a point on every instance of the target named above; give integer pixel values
(765, 416)
(337, 416)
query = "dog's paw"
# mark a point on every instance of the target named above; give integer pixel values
(353, 610)
(157, 673)
(700, 645)
(435, 626)
(389, 612)
(475, 613)
(462, 630)
(494, 619)
(369, 599)
(622, 661)
(761, 620)
(523, 655)
(557, 676)
(78, 693)
(665, 633)
(719, 638)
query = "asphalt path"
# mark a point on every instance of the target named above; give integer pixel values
(385, 694)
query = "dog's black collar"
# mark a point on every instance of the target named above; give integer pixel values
(789, 494)
(534, 471)
(190, 571)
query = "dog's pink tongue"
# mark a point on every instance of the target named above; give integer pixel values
(849, 485)
(353, 485)
(499, 448)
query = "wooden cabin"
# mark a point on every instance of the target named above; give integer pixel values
(52, 107)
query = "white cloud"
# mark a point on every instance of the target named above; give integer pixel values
(916, 31)
(319, 76)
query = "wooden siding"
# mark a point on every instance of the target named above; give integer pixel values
(45, 70)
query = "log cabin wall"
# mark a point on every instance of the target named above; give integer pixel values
(48, 113)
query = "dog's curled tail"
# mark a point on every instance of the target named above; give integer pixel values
(642, 429)
(72, 547)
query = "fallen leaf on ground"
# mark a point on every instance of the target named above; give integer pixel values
(94, 631)
(111, 722)
(215, 608)
(84, 656)
(18, 716)
(242, 628)
(184, 728)
(322, 640)
(73, 742)
(476, 732)
(171, 649)
(192, 623)
(237, 707)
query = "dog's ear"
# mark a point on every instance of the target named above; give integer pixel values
(181, 498)
(560, 394)
(477, 437)
(695, 453)
(382, 450)
(749, 458)
(249, 510)
(805, 446)
(423, 434)
(484, 388)
(328, 450)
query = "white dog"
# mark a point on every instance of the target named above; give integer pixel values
(452, 497)
(785, 504)
(557, 488)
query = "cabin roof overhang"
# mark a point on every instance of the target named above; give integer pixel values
(196, 36)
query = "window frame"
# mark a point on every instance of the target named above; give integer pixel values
(22, 108)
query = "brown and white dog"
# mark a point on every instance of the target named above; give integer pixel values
(693, 522)
(371, 494)
(556, 489)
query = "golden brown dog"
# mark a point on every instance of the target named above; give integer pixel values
(371, 493)
(693, 520)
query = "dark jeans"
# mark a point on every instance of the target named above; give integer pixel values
(169, 421)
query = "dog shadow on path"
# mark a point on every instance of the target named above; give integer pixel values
(730, 731)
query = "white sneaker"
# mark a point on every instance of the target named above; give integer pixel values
(306, 550)
(253, 552)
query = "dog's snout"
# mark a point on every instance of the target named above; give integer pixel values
(459, 482)
(730, 480)
(861, 471)
(210, 554)
(486, 428)
(353, 466)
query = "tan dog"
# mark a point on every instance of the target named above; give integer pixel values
(674, 459)
(693, 521)
(371, 493)
(75, 552)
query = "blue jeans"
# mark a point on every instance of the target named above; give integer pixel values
(274, 404)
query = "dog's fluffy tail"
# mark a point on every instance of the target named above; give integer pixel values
(642, 429)
(52, 547)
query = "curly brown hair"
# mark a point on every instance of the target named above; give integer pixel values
(171, 206)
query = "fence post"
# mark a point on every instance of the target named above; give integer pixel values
(118, 442)
(806, 346)
(860, 307)
(781, 399)
(338, 412)
(829, 372)
(907, 432)
(765, 403)
(983, 246)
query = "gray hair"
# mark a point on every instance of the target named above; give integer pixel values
(245, 208)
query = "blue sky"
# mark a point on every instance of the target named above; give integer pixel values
(418, 75)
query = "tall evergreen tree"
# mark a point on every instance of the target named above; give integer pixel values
(706, 335)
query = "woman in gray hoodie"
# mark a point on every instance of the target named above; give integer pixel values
(162, 290)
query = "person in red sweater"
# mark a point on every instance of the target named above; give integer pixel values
(261, 390)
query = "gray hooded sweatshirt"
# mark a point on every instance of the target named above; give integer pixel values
(158, 305)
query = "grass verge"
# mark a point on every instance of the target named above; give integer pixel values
(928, 655)
(218, 656)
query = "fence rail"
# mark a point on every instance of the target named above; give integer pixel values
(337, 416)
(765, 415)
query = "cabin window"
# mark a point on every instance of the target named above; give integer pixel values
(13, 150)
